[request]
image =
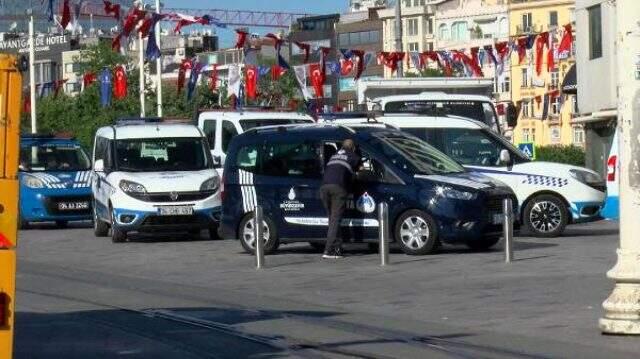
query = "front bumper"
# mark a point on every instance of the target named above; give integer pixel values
(582, 212)
(41, 205)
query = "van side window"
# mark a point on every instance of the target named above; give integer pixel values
(102, 151)
(209, 129)
(229, 131)
(247, 158)
(470, 146)
(372, 171)
(301, 160)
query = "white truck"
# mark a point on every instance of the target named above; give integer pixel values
(467, 97)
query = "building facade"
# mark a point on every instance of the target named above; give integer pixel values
(363, 31)
(596, 69)
(529, 89)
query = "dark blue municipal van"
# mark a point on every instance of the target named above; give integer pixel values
(431, 197)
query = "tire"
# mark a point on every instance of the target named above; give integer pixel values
(100, 228)
(416, 233)
(117, 234)
(247, 235)
(484, 243)
(545, 216)
(22, 224)
(62, 224)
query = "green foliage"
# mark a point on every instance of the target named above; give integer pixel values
(426, 72)
(96, 57)
(569, 154)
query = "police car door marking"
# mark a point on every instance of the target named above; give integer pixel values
(323, 221)
(533, 179)
(248, 190)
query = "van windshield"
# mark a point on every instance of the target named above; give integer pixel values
(53, 157)
(482, 111)
(162, 154)
(249, 124)
(415, 155)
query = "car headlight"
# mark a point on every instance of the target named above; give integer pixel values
(132, 187)
(451, 193)
(32, 182)
(212, 184)
(586, 177)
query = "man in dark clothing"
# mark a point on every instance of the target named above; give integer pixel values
(336, 184)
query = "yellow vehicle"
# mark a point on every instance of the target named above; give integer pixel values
(10, 100)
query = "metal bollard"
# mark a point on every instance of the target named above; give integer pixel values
(383, 233)
(259, 238)
(507, 225)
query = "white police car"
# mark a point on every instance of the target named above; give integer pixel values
(220, 126)
(153, 176)
(551, 195)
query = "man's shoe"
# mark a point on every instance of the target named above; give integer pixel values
(329, 256)
(338, 253)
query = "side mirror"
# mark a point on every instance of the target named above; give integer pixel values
(505, 157)
(217, 161)
(98, 166)
(512, 115)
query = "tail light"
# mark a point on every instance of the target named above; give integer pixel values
(4, 310)
(611, 168)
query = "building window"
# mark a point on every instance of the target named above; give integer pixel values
(555, 134)
(555, 78)
(525, 77)
(526, 108)
(574, 104)
(413, 47)
(459, 31)
(555, 106)
(359, 38)
(578, 135)
(505, 85)
(533, 135)
(527, 22)
(553, 18)
(443, 32)
(595, 32)
(526, 135)
(429, 46)
(71, 87)
(412, 27)
(430, 25)
(503, 27)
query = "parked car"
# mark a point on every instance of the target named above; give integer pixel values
(54, 180)
(153, 176)
(431, 198)
(221, 126)
(551, 195)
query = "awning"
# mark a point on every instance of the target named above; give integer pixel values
(596, 117)
(570, 83)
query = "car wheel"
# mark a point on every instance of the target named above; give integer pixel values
(62, 224)
(546, 216)
(100, 228)
(22, 224)
(484, 243)
(416, 233)
(117, 234)
(248, 236)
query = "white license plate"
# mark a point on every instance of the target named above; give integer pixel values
(498, 218)
(175, 211)
(73, 206)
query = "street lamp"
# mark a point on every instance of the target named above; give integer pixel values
(32, 72)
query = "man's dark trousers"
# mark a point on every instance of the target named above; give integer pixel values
(334, 199)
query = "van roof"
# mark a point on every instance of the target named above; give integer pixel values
(431, 96)
(316, 130)
(153, 130)
(408, 120)
(252, 115)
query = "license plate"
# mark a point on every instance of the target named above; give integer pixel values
(175, 211)
(498, 218)
(73, 206)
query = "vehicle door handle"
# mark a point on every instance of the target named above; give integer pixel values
(302, 186)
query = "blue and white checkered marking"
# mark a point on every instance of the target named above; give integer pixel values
(545, 181)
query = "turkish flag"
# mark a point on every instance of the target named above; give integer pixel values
(346, 66)
(567, 39)
(120, 83)
(277, 71)
(66, 14)
(213, 78)
(317, 79)
(251, 81)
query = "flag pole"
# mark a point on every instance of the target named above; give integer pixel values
(158, 63)
(32, 71)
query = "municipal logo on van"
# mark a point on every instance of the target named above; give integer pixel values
(292, 205)
(292, 194)
(366, 204)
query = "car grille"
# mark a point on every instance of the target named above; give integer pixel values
(494, 204)
(173, 196)
(51, 205)
(171, 220)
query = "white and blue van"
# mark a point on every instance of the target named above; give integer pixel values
(431, 198)
(551, 195)
(152, 176)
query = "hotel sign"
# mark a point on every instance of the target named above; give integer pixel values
(42, 43)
